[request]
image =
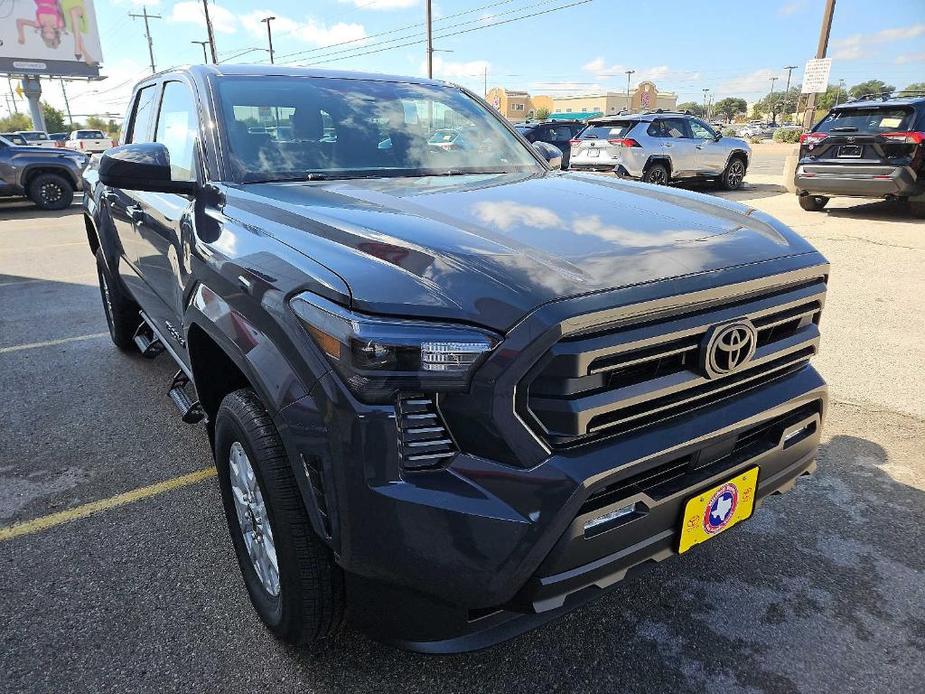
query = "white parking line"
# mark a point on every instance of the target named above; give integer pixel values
(51, 343)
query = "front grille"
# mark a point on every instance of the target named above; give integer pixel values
(617, 378)
(423, 439)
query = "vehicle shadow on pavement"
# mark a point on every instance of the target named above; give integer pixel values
(26, 209)
(879, 211)
(831, 569)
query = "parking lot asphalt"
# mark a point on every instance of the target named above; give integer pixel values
(822, 590)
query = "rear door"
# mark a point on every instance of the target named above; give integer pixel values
(674, 141)
(862, 135)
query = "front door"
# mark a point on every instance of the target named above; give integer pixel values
(709, 155)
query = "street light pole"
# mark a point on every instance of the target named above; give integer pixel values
(269, 35)
(789, 69)
(841, 85)
(770, 98)
(203, 44)
(628, 74)
(705, 91)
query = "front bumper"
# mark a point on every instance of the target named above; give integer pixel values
(464, 557)
(857, 180)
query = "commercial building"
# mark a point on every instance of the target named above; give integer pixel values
(520, 105)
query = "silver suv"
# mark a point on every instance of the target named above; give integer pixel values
(660, 147)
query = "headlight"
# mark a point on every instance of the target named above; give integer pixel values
(378, 357)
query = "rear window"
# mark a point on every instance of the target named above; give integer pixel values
(35, 136)
(878, 119)
(604, 131)
(89, 135)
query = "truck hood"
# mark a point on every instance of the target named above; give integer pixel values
(489, 248)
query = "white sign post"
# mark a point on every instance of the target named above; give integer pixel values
(816, 75)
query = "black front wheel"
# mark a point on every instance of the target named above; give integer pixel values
(734, 174)
(294, 584)
(122, 313)
(813, 203)
(51, 192)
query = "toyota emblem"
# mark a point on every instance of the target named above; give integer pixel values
(729, 347)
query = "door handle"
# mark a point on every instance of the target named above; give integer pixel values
(666, 144)
(135, 213)
(110, 197)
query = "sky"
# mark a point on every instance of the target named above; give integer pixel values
(730, 47)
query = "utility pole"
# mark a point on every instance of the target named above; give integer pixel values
(705, 92)
(789, 69)
(203, 44)
(144, 15)
(485, 82)
(628, 74)
(205, 7)
(269, 35)
(12, 95)
(841, 85)
(67, 106)
(430, 41)
(770, 99)
(821, 49)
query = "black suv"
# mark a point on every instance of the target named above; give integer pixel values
(558, 133)
(48, 177)
(441, 395)
(867, 149)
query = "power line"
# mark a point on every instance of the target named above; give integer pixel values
(455, 33)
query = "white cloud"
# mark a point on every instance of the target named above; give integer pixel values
(602, 70)
(790, 8)
(382, 4)
(454, 71)
(907, 58)
(859, 46)
(223, 21)
(319, 34)
(281, 25)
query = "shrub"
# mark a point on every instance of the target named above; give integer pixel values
(755, 140)
(789, 135)
(729, 132)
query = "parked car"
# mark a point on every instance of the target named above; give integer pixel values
(15, 138)
(764, 131)
(90, 141)
(454, 391)
(58, 139)
(558, 133)
(867, 149)
(659, 148)
(47, 177)
(37, 138)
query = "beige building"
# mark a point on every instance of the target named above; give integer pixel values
(520, 105)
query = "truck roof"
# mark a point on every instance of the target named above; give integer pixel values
(257, 70)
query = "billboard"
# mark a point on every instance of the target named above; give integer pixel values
(49, 37)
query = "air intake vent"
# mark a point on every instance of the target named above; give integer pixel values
(423, 439)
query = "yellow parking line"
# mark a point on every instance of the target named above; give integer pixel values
(50, 343)
(44, 522)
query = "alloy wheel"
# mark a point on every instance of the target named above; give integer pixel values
(253, 518)
(736, 174)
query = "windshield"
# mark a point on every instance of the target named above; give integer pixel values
(286, 128)
(35, 136)
(604, 131)
(876, 119)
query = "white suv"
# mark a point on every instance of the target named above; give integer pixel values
(660, 147)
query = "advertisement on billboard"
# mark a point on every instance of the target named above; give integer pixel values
(49, 37)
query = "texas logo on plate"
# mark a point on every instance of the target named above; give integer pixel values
(718, 508)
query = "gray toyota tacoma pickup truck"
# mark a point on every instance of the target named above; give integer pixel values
(451, 392)
(48, 177)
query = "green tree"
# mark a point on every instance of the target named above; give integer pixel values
(54, 119)
(873, 88)
(777, 103)
(692, 106)
(729, 107)
(541, 114)
(14, 122)
(915, 88)
(96, 123)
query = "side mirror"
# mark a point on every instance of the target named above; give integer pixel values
(551, 155)
(717, 137)
(141, 166)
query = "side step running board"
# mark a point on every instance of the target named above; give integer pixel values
(149, 343)
(190, 410)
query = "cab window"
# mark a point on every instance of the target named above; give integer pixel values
(142, 115)
(176, 129)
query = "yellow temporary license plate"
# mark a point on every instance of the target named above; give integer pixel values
(718, 509)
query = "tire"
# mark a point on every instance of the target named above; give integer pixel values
(51, 192)
(121, 311)
(657, 174)
(813, 203)
(733, 174)
(308, 603)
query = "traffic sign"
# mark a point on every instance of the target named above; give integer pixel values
(816, 75)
